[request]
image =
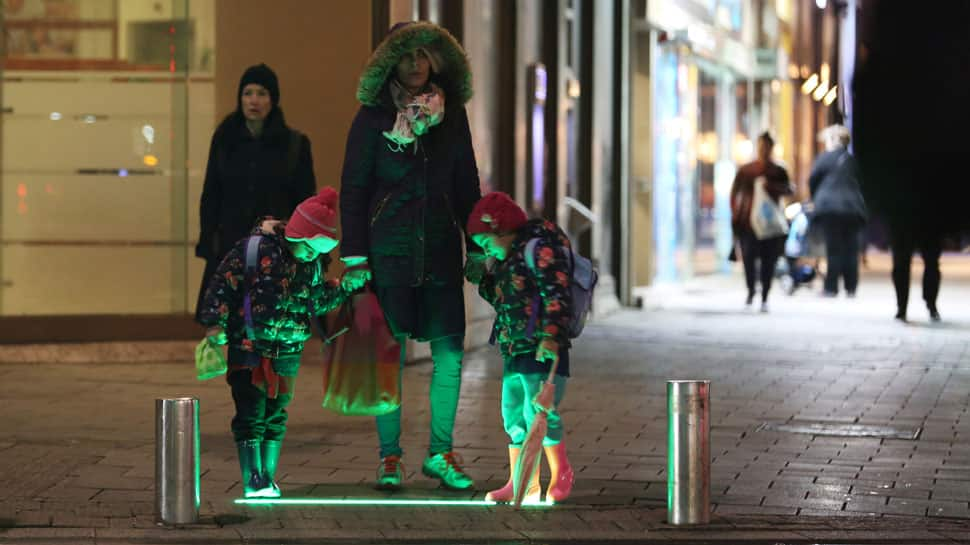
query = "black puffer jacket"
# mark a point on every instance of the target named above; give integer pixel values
(512, 288)
(285, 293)
(405, 210)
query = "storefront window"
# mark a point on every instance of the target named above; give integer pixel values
(107, 114)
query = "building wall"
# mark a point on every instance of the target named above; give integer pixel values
(317, 55)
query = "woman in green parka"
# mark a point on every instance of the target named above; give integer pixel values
(409, 183)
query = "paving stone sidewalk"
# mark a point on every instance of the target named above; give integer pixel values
(77, 440)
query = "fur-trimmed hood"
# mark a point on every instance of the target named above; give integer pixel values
(454, 77)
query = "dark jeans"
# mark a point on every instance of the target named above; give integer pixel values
(446, 353)
(841, 252)
(904, 242)
(257, 416)
(767, 252)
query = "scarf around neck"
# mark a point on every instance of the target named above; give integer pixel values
(415, 114)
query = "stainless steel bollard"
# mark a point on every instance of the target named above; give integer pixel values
(688, 452)
(177, 460)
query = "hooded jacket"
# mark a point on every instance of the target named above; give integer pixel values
(512, 287)
(405, 208)
(285, 294)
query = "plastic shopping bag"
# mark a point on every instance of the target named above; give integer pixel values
(209, 360)
(361, 360)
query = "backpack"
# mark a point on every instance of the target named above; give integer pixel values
(582, 280)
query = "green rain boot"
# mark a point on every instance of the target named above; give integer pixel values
(250, 465)
(271, 456)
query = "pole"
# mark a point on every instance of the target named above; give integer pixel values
(177, 460)
(688, 452)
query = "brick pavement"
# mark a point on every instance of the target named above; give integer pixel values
(76, 440)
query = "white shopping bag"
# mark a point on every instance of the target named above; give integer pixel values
(767, 217)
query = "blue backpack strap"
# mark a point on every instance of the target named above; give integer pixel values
(530, 260)
(252, 262)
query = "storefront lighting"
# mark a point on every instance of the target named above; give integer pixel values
(572, 88)
(56, 116)
(89, 119)
(775, 86)
(821, 3)
(825, 71)
(830, 96)
(150, 160)
(810, 84)
(707, 145)
(149, 133)
(793, 71)
(805, 71)
(820, 91)
(743, 149)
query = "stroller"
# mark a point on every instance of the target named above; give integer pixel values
(799, 264)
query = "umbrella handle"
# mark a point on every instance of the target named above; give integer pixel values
(552, 370)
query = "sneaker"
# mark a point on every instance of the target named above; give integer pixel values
(934, 314)
(445, 466)
(764, 306)
(390, 473)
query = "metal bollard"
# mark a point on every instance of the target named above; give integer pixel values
(177, 460)
(688, 452)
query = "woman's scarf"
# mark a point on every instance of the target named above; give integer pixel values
(415, 114)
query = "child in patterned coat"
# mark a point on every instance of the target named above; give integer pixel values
(532, 301)
(263, 312)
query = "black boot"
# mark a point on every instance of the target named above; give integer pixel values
(271, 456)
(251, 466)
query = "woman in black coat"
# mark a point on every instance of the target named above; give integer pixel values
(258, 166)
(409, 183)
(839, 209)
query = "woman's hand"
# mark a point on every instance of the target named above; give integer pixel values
(355, 279)
(356, 274)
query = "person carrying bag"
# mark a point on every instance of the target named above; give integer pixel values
(757, 219)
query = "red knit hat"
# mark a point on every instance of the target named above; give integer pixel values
(315, 217)
(496, 213)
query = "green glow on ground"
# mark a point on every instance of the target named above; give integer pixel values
(373, 501)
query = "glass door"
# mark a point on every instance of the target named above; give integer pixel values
(101, 155)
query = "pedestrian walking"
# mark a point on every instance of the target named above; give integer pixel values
(409, 183)
(258, 166)
(839, 209)
(773, 178)
(260, 302)
(529, 289)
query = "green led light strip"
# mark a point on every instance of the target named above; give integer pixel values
(375, 501)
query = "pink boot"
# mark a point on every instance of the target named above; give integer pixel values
(561, 483)
(506, 493)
